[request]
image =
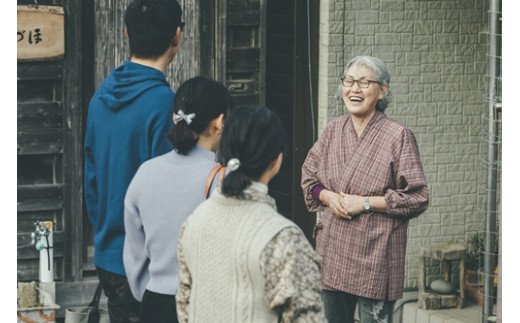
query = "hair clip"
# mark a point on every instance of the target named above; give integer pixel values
(180, 115)
(233, 164)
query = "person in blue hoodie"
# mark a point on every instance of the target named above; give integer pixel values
(128, 119)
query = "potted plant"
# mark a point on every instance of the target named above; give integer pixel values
(474, 262)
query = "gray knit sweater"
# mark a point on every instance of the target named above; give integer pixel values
(162, 194)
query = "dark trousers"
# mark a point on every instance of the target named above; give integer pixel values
(158, 308)
(340, 308)
(122, 306)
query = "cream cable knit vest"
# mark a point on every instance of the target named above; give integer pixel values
(222, 243)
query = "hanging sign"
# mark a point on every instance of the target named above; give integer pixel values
(40, 32)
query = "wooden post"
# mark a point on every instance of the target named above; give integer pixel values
(447, 271)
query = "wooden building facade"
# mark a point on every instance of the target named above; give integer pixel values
(264, 51)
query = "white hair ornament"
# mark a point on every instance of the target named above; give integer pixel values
(188, 118)
(233, 164)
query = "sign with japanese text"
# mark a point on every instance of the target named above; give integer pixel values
(40, 32)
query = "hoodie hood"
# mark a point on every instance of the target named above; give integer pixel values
(127, 82)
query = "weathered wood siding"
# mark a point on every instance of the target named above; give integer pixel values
(225, 39)
(48, 134)
(112, 49)
(245, 48)
(40, 161)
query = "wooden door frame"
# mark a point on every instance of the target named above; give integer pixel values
(73, 91)
(302, 122)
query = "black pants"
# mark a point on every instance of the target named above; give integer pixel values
(158, 308)
(340, 307)
(122, 306)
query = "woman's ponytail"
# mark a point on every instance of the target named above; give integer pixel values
(183, 138)
(235, 183)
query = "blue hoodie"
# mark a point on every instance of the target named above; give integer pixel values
(128, 119)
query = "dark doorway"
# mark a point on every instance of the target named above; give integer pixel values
(291, 64)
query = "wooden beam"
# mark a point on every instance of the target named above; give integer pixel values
(303, 103)
(73, 89)
(40, 141)
(39, 71)
(39, 115)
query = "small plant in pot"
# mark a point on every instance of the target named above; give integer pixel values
(475, 251)
(474, 262)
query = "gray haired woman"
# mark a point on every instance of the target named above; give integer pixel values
(365, 174)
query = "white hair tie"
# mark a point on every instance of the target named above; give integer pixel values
(180, 115)
(233, 164)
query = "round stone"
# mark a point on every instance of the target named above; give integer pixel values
(443, 287)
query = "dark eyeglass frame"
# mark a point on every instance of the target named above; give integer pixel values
(361, 85)
(181, 25)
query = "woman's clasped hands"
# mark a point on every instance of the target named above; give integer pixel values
(343, 205)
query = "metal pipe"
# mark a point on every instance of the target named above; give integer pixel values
(45, 246)
(491, 198)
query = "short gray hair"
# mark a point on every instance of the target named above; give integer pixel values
(381, 74)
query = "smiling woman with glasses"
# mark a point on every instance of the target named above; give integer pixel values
(365, 174)
(363, 83)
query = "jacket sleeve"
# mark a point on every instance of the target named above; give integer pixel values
(182, 298)
(291, 269)
(310, 172)
(134, 254)
(410, 197)
(91, 196)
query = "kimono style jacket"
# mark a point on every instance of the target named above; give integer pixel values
(365, 256)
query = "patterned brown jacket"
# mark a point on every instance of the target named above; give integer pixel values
(365, 256)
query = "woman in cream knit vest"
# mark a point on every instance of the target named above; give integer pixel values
(239, 259)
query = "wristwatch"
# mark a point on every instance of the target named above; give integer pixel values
(366, 206)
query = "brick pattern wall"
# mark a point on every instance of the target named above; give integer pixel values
(436, 54)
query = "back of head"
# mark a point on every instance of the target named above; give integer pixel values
(255, 136)
(151, 25)
(197, 102)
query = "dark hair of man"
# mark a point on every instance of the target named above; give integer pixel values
(151, 26)
(255, 136)
(206, 99)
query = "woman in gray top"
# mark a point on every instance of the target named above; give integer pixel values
(165, 190)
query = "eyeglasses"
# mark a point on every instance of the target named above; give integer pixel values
(181, 25)
(363, 83)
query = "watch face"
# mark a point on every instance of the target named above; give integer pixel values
(366, 206)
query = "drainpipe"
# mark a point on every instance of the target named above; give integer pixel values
(44, 245)
(43, 237)
(493, 109)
